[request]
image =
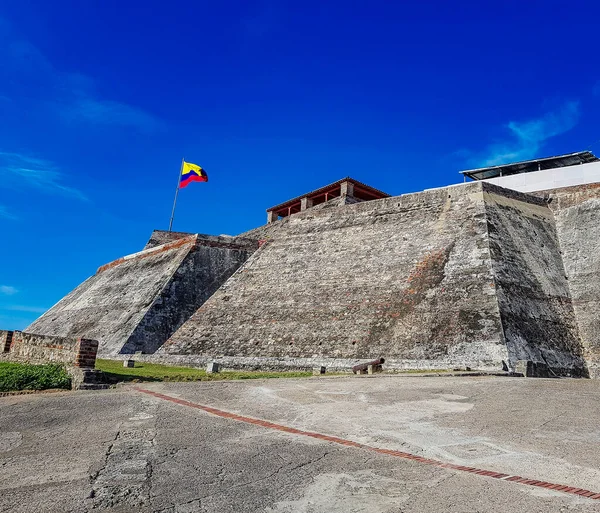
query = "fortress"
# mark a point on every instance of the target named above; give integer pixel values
(484, 274)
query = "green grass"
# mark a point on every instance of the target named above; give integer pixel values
(24, 376)
(115, 373)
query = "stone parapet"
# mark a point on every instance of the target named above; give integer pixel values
(40, 349)
(310, 363)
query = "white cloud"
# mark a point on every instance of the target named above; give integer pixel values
(26, 72)
(24, 308)
(8, 290)
(110, 113)
(528, 137)
(5, 214)
(38, 173)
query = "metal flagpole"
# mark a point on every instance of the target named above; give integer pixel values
(176, 193)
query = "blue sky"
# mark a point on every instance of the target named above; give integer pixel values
(100, 100)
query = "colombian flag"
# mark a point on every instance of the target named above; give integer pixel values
(191, 173)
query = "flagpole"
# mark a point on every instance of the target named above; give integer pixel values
(176, 193)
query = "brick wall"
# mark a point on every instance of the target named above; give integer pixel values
(5, 340)
(33, 348)
(85, 353)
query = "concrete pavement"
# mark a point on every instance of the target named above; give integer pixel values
(122, 450)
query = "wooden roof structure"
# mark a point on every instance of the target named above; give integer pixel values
(360, 191)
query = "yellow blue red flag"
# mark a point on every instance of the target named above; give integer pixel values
(191, 173)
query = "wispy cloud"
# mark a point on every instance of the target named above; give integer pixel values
(24, 308)
(110, 113)
(27, 73)
(526, 138)
(8, 290)
(5, 214)
(35, 172)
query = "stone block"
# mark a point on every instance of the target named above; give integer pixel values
(212, 367)
(306, 203)
(86, 379)
(129, 363)
(347, 189)
(523, 367)
(317, 371)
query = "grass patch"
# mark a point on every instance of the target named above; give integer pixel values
(25, 376)
(142, 371)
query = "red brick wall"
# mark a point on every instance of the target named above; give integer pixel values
(86, 351)
(5, 341)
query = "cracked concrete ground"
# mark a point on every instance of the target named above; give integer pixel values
(123, 451)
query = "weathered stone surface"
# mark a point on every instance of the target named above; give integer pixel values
(272, 227)
(533, 293)
(137, 302)
(406, 278)
(469, 275)
(522, 367)
(577, 214)
(160, 237)
(78, 354)
(87, 379)
(286, 363)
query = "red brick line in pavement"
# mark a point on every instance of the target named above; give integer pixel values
(399, 454)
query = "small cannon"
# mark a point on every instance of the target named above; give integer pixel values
(369, 367)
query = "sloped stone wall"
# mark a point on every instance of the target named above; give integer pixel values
(160, 237)
(471, 275)
(405, 278)
(537, 314)
(577, 213)
(135, 303)
(199, 275)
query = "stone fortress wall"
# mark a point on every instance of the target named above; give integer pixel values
(577, 214)
(470, 275)
(405, 278)
(137, 302)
